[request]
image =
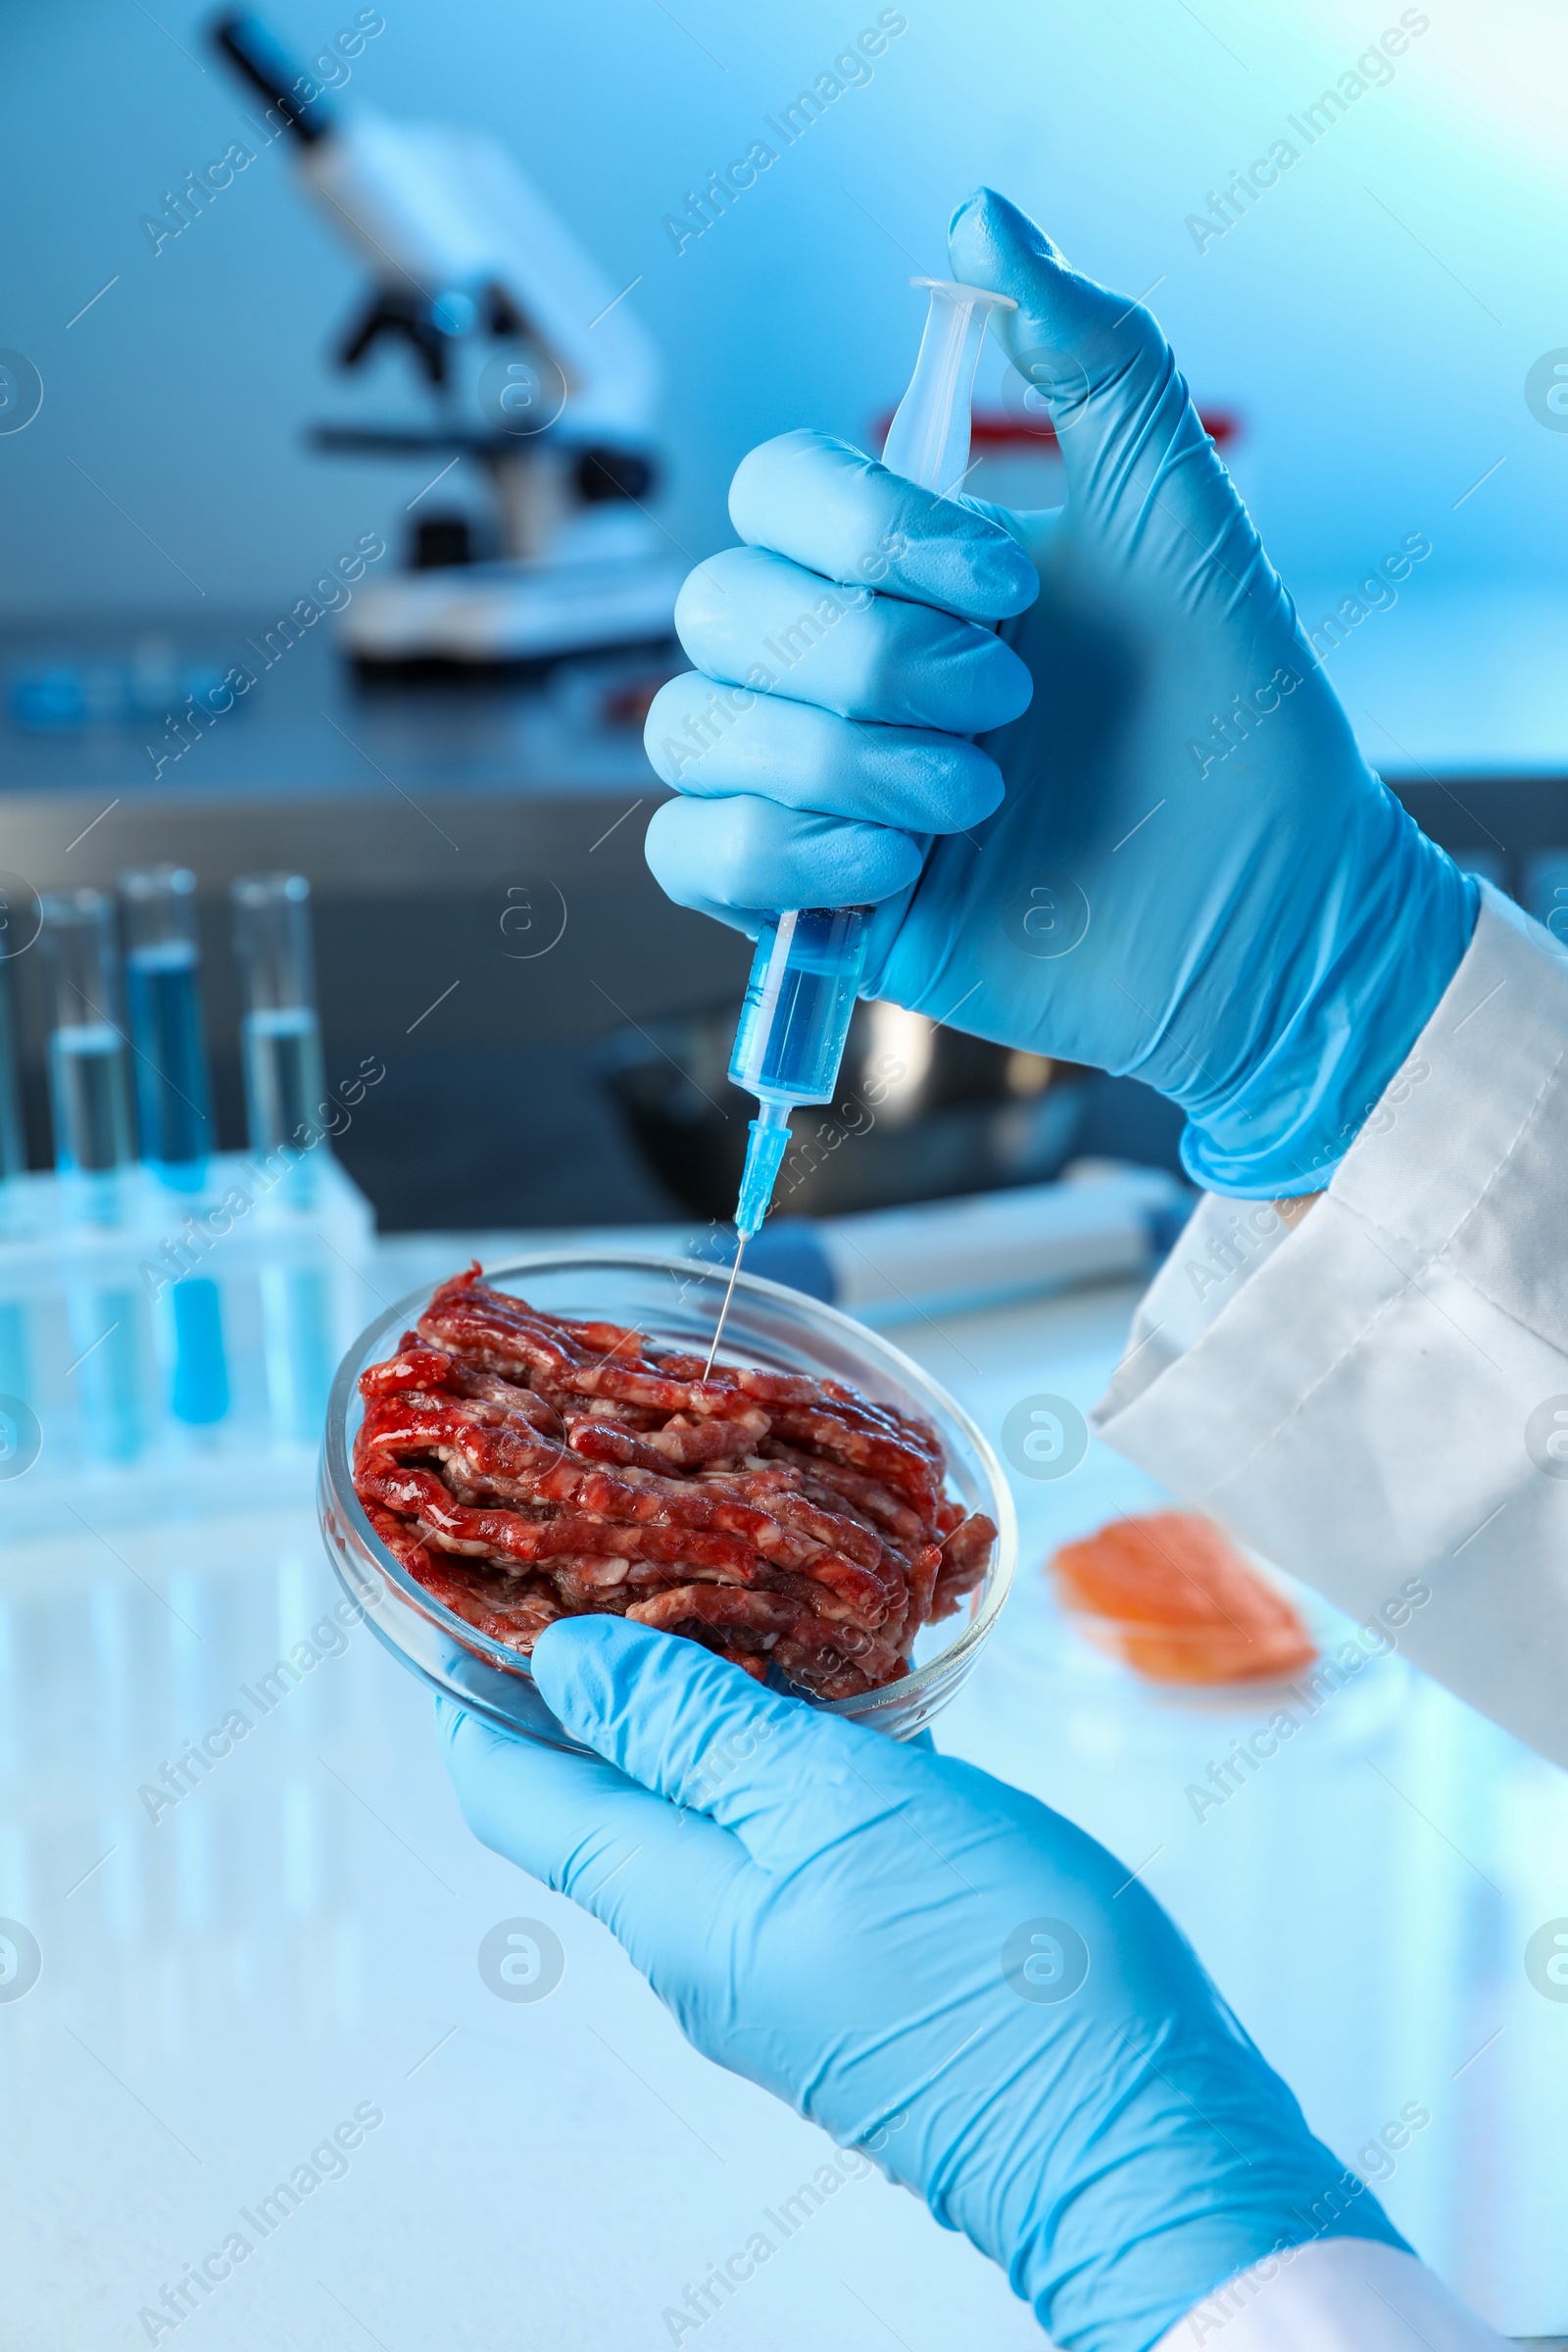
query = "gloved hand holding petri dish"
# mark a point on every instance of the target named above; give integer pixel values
(929, 1964)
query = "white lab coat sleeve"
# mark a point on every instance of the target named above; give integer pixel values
(1338, 2294)
(1377, 1397)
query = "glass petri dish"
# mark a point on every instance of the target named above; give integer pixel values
(675, 1302)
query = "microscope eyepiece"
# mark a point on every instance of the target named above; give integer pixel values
(264, 62)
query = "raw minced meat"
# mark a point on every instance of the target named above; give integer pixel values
(525, 1467)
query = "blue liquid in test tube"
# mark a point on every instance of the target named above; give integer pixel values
(163, 993)
(163, 989)
(807, 972)
(173, 1106)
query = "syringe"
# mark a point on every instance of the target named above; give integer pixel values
(806, 973)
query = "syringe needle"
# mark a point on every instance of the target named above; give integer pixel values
(729, 1292)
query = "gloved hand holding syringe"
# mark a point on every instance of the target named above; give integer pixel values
(807, 972)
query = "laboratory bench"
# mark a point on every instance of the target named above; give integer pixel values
(201, 1993)
(486, 926)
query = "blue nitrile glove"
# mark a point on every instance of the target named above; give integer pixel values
(1193, 877)
(925, 1962)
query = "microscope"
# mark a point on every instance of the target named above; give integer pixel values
(537, 373)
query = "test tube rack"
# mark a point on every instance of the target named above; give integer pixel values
(149, 1346)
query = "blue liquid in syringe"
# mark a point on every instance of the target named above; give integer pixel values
(797, 1004)
(163, 989)
(805, 975)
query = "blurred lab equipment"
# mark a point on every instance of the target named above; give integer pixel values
(1017, 449)
(1101, 1221)
(1546, 891)
(70, 693)
(807, 970)
(919, 1112)
(535, 367)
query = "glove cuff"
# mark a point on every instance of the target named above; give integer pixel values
(1397, 943)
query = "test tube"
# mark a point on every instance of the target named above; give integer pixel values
(88, 1092)
(280, 1035)
(89, 1096)
(14, 1349)
(174, 1103)
(13, 1132)
(280, 1044)
(163, 984)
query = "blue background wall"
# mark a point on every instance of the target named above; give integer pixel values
(1374, 318)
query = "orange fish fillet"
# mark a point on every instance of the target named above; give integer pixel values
(1169, 1594)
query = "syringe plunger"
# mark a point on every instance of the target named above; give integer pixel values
(928, 440)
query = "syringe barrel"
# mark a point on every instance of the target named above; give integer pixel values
(805, 977)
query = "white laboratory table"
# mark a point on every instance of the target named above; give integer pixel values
(296, 1944)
